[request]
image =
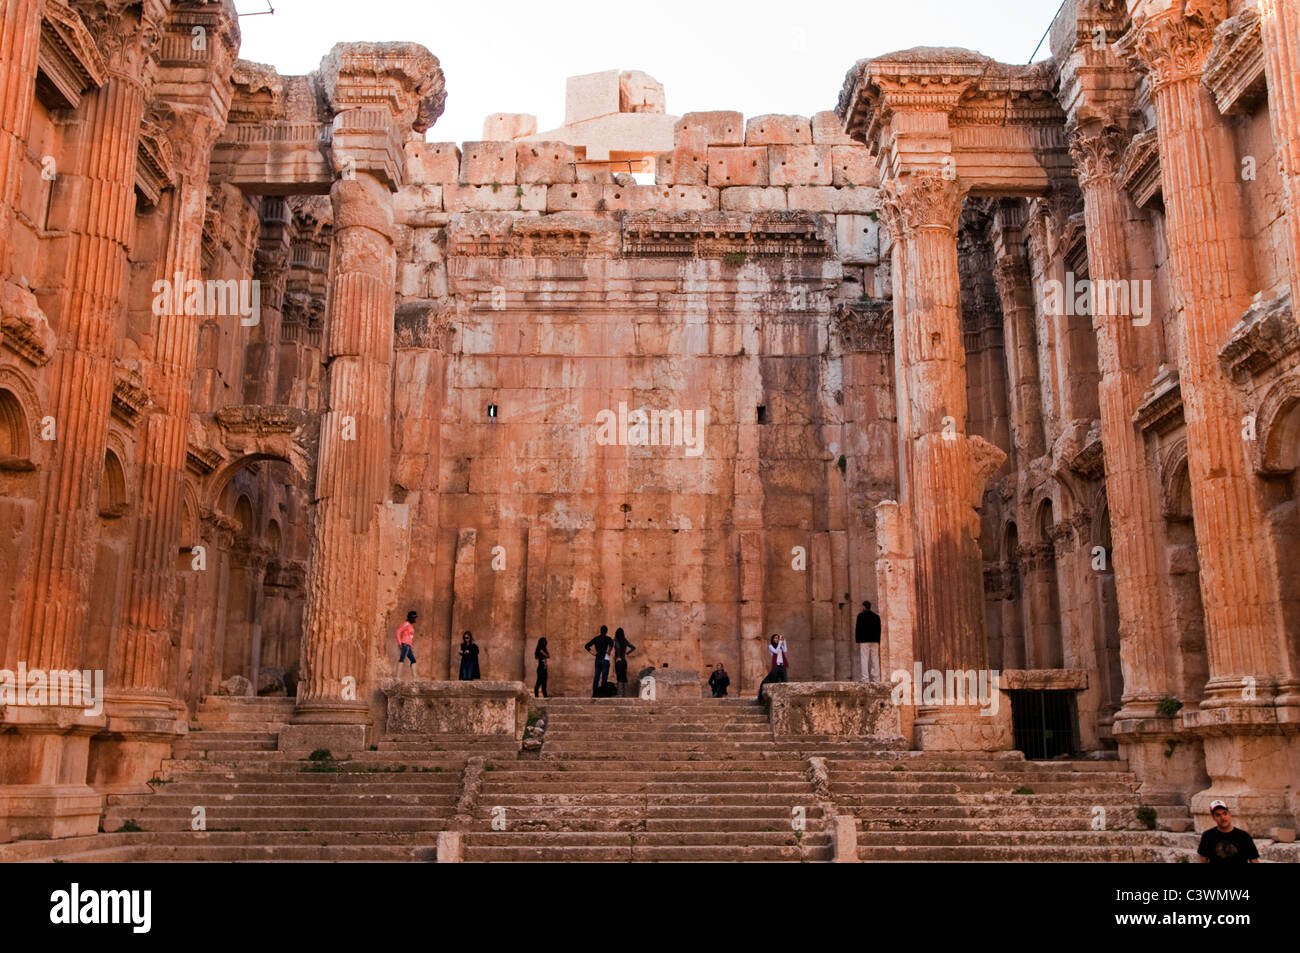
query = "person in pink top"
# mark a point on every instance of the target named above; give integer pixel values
(405, 637)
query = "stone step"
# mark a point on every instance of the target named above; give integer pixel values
(251, 800)
(1001, 821)
(1025, 854)
(750, 838)
(476, 852)
(300, 824)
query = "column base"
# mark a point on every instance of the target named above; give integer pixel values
(964, 728)
(342, 728)
(1168, 761)
(1252, 756)
(139, 736)
(43, 762)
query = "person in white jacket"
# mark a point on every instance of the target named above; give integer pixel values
(780, 662)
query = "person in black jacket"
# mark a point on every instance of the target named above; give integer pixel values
(600, 647)
(867, 635)
(718, 681)
(468, 658)
(622, 649)
(541, 654)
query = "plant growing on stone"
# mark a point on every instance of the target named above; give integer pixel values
(1168, 706)
(1146, 815)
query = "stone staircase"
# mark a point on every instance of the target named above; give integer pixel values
(615, 780)
(629, 780)
(622, 779)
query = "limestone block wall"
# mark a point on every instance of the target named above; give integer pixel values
(554, 294)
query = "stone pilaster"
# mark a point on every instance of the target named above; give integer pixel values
(143, 716)
(946, 468)
(49, 747)
(20, 39)
(1280, 22)
(1015, 289)
(1210, 270)
(379, 92)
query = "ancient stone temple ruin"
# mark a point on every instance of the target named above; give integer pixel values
(1008, 351)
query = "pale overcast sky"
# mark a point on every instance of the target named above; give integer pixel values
(754, 56)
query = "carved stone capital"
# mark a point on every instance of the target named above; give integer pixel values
(1097, 151)
(919, 200)
(403, 77)
(128, 33)
(1174, 44)
(1011, 273)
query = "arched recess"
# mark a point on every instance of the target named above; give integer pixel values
(112, 486)
(20, 446)
(1042, 594)
(1278, 422)
(261, 589)
(1183, 568)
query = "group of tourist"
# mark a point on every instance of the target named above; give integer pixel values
(617, 649)
(468, 649)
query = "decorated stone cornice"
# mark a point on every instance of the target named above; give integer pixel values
(1089, 460)
(1266, 336)
(218, 43)
(130, 398)
(128, 33)
(864, 327)
(68, 60)
(202, 460)
(922, 200)
(1234, 72)
(1139, 173)
(258, 93)
(1161, 410)
(260, 420)
(737, 236)
(24, 328)
(379, 93)
(154, 171)
(930, 79)
(1173, 44)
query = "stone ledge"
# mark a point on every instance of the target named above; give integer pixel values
(1044, 679)
(465, 708)
(842, 709)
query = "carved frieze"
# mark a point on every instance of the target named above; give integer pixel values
(1161, 410)
(1139, 173)
(864, 327)
(153, 163)
(130, 398)
(1234, 72)
(1264, 338)
(69, 63)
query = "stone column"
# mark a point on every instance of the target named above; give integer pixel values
(1015, 289)
(1129, 355)
(1211, 275)
(1280, 22)
(97, 209)
(379, 92)
(144, 716)
(947, 469)
(20, 39)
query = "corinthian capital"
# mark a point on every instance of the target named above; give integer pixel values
(922, 200)
(404, 77)
(128, 33)
(1173, 44)
(1097, 151)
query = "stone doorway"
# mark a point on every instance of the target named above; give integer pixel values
(1045, 723)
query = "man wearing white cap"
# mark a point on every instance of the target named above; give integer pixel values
(1225, 844)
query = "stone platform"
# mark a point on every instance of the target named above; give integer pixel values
(455, 708)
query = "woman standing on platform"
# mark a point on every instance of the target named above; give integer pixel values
(780, 663)
(468, 658)
(541, 654)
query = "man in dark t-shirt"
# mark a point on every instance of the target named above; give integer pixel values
(600, 647)
(1225, 844)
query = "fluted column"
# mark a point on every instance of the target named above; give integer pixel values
(1205, 217)
(1015, 289)
(1129, 356)
(353, 465)
(1249, 755)
(100, 197)
(142, 650)
(379, 91)
(20, 39)
(1280, 22)
(946, 467)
